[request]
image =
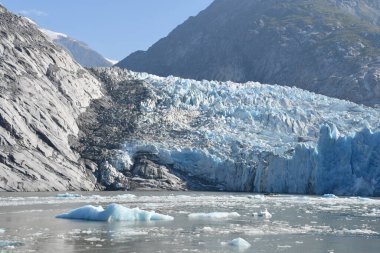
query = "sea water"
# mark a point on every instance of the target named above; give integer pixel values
(203, 222)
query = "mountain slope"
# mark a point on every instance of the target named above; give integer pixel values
(173, 133)
(79, 50)
(331, 47)
(42, 92)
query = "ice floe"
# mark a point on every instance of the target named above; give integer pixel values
(265, 214)
(10, 244)
(113, 212)
(329, 196)
(239, 243)
(68, 195)
(213, 215)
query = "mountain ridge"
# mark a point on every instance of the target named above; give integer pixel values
(329, 47)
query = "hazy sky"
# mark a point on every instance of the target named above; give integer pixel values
(114, 28)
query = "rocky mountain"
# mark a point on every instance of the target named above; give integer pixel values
(42, 93)
(79, 50)
(63, 127)
(331, 47)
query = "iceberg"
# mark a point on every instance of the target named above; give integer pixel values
(239, 243)
(113, 212)
(10, 244)
(329, 196)
(265, 214)
(213, 216)
(68, 195)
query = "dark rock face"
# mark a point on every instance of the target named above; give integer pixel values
(108, 124)
(42, 92)
(331, 47)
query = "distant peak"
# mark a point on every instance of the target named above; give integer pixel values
(113, 62)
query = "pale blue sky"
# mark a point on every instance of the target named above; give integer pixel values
(114, 28)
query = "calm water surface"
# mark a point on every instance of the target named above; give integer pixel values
(298, 223)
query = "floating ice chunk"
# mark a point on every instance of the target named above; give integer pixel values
(113, 212)
(258, 197)
(264, 214)
(329, 196)
(68, 195)
(94, 239)
(9, 244)
(207, 229)
(2, 231)
(239, 243)
(213, 216)
(346, 231)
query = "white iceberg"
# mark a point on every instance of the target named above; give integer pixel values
(213, 215)
(68, 195)
(265, 214)
(113, 212)
(329, 196)
(239, 243)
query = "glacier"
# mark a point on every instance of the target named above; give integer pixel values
(243, 137)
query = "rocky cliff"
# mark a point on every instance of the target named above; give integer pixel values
(42, 92)
(331, 47)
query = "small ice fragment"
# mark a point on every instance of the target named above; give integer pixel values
(284, 246)
(239, 243)
(113, 212)
(2, 231)
(329, 196)
(258, 197)
(93, 239)
(265, 214)
(207, 229)
(213, 216)
(9, 244)
(68, 195)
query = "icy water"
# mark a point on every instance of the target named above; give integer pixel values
(298, 223)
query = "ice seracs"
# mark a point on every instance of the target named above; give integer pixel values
(113, 212)
(245, 137)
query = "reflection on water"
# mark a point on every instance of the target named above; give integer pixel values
(298, 223)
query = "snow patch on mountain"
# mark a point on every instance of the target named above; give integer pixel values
(53, 35)
(113, 62)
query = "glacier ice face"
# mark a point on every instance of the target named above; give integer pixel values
(340, 165)
(244, 137)
(113, 212)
